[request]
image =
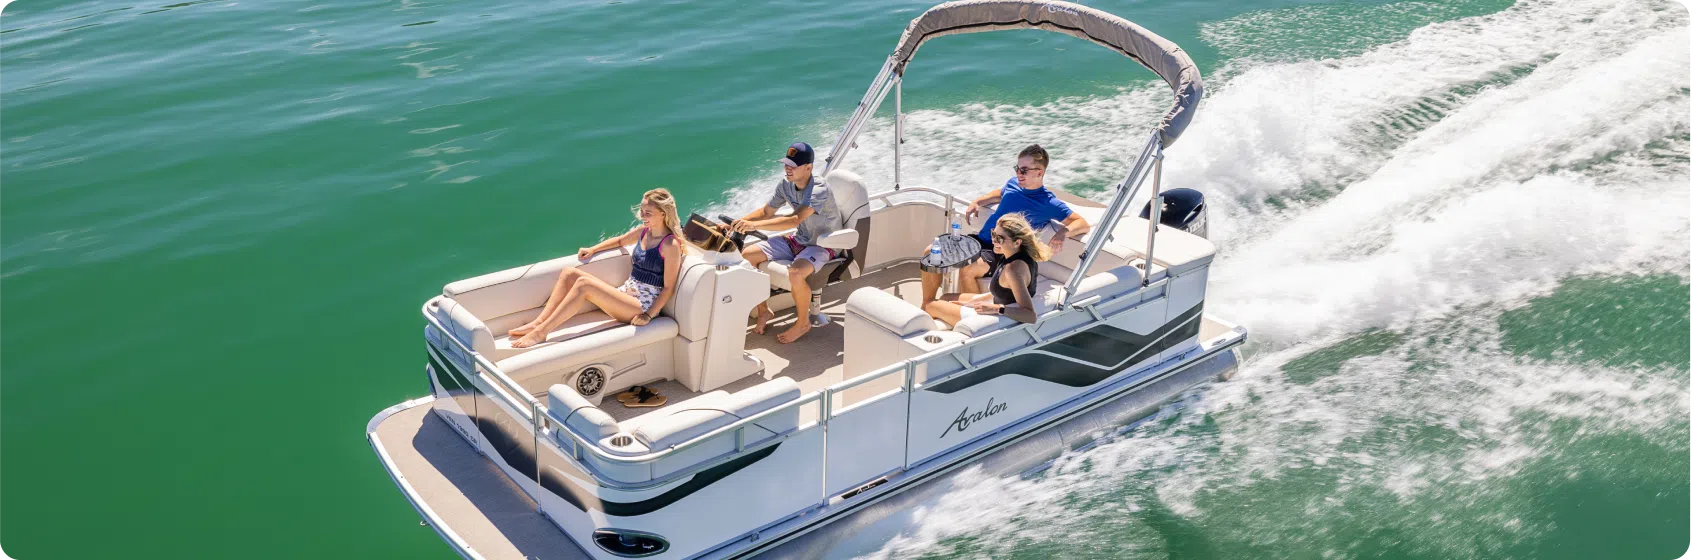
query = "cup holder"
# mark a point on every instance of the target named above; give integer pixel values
(621, 440)
(932, 339)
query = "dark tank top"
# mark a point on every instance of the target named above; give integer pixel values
(1005, 296)
(648, 263)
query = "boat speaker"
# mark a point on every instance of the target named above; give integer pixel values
(590, 380)
(630, 544)
(1183, 209)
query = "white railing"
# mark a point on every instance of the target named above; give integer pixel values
(582, 447)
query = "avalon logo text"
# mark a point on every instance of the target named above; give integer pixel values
(967, 418)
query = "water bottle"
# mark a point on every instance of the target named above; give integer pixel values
(933, 253)
(956, 228)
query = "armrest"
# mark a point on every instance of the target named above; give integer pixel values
(570, 409)
(465, 326)
(888, 312)
(980, 325)
(839, 239)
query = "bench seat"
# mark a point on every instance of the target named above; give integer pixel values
(585, 349)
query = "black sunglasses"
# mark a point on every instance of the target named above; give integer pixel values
(1025, 170)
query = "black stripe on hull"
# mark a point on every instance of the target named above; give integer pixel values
(514, 444)
(1104, 345)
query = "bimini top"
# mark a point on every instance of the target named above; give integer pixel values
(1154, 52)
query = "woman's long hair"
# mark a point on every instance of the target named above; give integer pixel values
(671, 219)
(1016, 227)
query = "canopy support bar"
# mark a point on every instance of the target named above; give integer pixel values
(865, 109)
(1124, 193)
(897, 132)
(1156, 215)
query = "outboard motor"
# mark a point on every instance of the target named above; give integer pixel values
(1182, 209)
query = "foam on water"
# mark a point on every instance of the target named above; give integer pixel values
(1423, 187)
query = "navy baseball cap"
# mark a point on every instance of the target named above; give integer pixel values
(799, 154)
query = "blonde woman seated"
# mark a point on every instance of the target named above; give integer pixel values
(657, 262)
(1011, 291)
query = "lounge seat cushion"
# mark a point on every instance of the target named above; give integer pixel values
(1108, 284)
(1177, 250)
(1048, 294)
(778, 274)
(702, 415)
(525, 287)
(569, 408)
(585, 349)
(580, 325)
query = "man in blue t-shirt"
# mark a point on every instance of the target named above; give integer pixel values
(1025, 194)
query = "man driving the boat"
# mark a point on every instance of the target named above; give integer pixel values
(814, 214)
(1024, 194)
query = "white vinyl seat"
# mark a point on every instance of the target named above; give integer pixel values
(1047, 295)
(673, 425)
(584, 349)
(697, 339)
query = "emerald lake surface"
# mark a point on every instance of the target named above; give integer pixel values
(1457, 231)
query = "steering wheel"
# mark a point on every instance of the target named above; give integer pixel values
(738, 238)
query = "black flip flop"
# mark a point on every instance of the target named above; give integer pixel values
(646, 399)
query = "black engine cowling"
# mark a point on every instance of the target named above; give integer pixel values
(1182, 209)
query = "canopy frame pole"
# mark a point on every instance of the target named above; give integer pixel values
(897, 133)
(866, 108)
(1156, 216)
(1101, 231)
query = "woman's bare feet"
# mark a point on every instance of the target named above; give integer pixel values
(522, 330)
(531, 339)
(799, 328)
(763, 317)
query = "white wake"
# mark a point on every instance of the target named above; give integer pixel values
(1422, 186)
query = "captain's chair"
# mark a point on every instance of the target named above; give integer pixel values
(850, 243)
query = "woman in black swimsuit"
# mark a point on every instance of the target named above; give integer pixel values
(1011, 290)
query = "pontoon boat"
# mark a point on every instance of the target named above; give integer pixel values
(789, 448)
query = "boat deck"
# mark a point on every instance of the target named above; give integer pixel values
(484, 515)
(815, 361)
(473, 505)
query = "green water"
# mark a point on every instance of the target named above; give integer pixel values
(218, 220)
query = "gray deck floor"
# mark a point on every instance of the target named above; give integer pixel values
(468, 492)
(815, 361)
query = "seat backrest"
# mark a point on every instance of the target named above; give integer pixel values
(852, 199)
(692, 303)
(850, 196)
(521, 288)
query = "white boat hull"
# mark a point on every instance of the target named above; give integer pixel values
(505, 521)
(863, 527)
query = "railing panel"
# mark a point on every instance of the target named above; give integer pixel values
(1000, 387)
(903, 231)
(940, 421)
(457, 395)
(866, 440)
(507, 435)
